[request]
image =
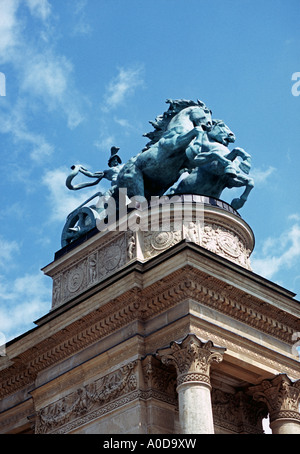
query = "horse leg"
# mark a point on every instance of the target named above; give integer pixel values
(240, 201)
(245, 164)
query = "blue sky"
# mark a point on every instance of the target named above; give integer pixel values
(83, 75)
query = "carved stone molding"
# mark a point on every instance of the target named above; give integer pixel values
(192, 359)
(237, 412)
(70, 409)
(281, 395)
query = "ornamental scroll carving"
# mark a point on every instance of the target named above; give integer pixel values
(216, 238)
(86, 400)
(225, 243)
(192, 359)
(281, 395)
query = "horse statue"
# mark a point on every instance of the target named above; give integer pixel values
(213, 167)
(157, 166)
(187, 153)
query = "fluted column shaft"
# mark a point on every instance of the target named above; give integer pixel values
(192, 359)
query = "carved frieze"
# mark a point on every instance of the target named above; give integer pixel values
(157, 242)
(143, 304)
(70, 409)
(219, 233)
(225, 243)
(91, 269)
(237, 412)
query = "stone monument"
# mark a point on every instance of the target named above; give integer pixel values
(158, 325)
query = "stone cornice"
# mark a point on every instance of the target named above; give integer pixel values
(142, 304)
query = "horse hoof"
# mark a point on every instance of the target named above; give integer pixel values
(237, 203)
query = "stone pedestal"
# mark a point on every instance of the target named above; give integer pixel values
(139, 322)
(144, 234)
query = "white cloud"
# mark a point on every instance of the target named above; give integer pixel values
(48, 78)
(260, 176)
(7, 251)
(81, 26)
(62, 200)
(123, 85)
(44, 76)
(39, 8)
(14, 122)
(278, 254)
(8, 27)
(294, 217)
(105, 142)
(21, 301)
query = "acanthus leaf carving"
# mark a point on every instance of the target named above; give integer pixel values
(280, 394)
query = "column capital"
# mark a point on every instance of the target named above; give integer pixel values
(192, 359)
(281, 395)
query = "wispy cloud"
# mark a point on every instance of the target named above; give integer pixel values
(278, 254)
(39, 8)
(48, 78)
(21, 301)
(8, 27)
(81, 26)
(62, 200)
(44, 76)
(13, 121)
(123, 85)
(261, 176)
(8, 249)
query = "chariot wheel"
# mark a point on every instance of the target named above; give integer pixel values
(78, 222)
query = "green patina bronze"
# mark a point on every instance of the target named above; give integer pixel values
(187, 154)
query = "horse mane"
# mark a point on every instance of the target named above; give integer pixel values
(161, 122)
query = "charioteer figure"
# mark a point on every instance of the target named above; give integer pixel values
(111, 174)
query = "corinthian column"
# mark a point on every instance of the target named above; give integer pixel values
(282, 397)
(192, 359)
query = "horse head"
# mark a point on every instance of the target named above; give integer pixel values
(201, 116)
(221, 133)
(191, 117)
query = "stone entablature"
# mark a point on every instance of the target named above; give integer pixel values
(107, 310)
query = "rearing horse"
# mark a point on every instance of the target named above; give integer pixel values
(158, 166)
(213, 167)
